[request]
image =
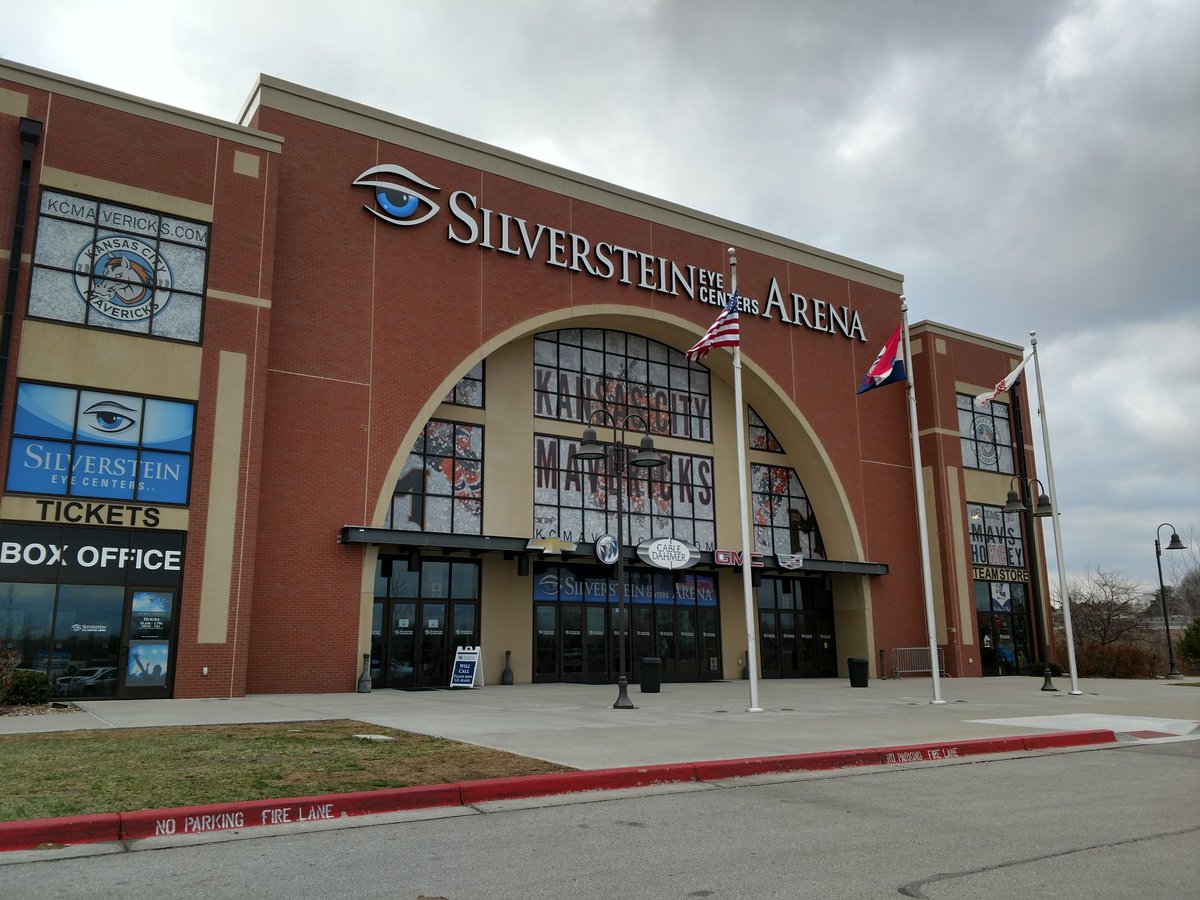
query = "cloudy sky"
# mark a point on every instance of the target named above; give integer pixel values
(1025, 164)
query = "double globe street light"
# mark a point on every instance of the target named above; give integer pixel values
(1175, 544)
(646, 457)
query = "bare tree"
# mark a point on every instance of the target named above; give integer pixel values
(1109, 608)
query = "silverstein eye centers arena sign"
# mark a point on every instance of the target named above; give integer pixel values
(399, 201)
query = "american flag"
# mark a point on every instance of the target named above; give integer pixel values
(723, 332)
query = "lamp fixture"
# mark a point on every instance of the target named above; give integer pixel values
(646, 457)
(1174, 544)
(1041, 507)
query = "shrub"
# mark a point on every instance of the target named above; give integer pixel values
(1188, 648)
(9, 660)
(26, 688)
(1124, 660)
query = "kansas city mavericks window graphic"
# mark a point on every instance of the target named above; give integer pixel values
(118, 267)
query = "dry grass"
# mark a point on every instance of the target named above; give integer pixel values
(74, 772)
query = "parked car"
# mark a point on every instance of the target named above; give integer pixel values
(96, 681)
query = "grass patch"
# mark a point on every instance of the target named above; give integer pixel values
(69, 773)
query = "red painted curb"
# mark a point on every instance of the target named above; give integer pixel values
(29, 834)
(107, 827)
(717, 769)
(281, 811)
(1069, 739)
(574, 782)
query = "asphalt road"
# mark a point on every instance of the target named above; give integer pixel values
(1109, 823)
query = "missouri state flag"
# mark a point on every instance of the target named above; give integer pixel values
(888, 366)
(724, 332)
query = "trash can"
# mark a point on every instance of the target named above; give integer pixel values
(858, 671)
(651, 674)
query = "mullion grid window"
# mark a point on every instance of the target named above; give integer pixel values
(440, 488)
(576, 499)
(784, 521)
(469, 390)
(985, 435)
(761, 437)
(121, 460)
(996, 536)
(146, 270)
(577, 371)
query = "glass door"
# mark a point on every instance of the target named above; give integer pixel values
(402, 645)
(595, 656)
(710, 645)
(433, 662)
(148, 627)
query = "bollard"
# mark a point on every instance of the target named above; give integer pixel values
(1046, 685)
(364, 680)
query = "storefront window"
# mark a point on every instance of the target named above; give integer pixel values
(94, 609)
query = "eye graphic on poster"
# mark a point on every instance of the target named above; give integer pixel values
(147, 664)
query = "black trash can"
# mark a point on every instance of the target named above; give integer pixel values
(858, 671)
(651, 674)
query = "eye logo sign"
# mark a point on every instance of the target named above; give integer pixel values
(397, 203)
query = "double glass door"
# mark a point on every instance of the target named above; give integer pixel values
(422, 615)
(580, 642)
(422, 638)
(795, 629)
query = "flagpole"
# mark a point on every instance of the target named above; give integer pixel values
(1057, 511)
(919, 481)
(743, 481)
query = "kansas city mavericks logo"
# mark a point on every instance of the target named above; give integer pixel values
(123, 278)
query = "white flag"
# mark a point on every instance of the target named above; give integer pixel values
(1004, 385)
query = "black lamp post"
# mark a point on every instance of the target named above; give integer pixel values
(645, 458)
(1041, 509)
(1175, 544)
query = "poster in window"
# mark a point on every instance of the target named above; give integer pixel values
(147, 664)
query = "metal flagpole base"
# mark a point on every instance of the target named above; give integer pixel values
(1075, 693)
(937, 702)
(623, 701)
(754, 709)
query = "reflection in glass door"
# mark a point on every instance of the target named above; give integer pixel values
(402, 645)
(429, 610)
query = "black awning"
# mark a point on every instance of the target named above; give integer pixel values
(479, 544)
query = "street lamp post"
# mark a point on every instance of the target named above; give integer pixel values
(1041, 509)
(645, 458)
(1175, 544)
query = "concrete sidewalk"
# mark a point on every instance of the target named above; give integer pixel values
(575, 725)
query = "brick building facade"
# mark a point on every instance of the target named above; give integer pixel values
(303, 395)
